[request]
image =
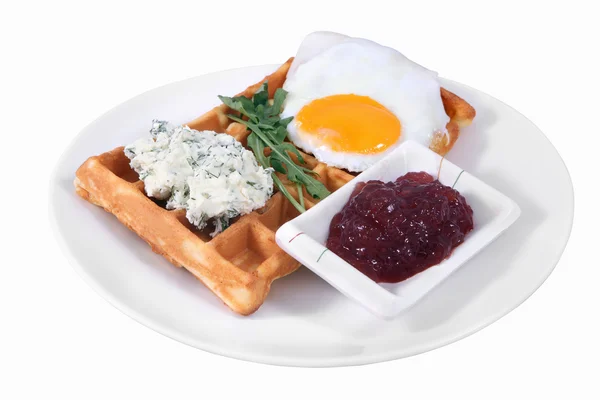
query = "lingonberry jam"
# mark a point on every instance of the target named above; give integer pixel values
(392, 231)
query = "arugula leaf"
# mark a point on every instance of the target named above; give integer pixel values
(284, 122)
(261, 97)
(258, 147)
(279, 135)
(277, 164)
(268, 130)
(241, 104)
(292, 149)
(278, 100)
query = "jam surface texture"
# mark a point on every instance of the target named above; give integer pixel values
(392, 231)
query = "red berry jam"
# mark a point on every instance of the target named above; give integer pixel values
(392, 231)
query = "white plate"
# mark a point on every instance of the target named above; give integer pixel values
(305, 321)
(305, 237)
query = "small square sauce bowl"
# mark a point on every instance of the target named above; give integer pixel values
(304, 237)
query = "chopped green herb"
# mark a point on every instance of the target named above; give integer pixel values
(224, 223)
(146, 174)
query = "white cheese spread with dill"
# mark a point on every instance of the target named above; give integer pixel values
(210, 175)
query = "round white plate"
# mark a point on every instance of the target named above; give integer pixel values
(304, 321)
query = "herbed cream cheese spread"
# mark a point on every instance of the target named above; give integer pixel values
(210, 175)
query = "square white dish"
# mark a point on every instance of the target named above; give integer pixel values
(304, 237)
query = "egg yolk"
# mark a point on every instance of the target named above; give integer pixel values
(350, 123)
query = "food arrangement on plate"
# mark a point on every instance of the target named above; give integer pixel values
(211, 195)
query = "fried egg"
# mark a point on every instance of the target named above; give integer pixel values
(353, 100)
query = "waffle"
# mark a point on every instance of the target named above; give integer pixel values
(240, 264)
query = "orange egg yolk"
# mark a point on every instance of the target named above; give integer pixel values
(350, 123)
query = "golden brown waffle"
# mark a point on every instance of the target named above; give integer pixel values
(239, 264)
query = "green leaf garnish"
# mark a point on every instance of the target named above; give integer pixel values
(268, 130)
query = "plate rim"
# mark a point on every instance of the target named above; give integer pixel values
(287, 361)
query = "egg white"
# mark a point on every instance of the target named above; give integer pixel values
(328, 63)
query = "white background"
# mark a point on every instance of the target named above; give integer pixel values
(66, 62)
